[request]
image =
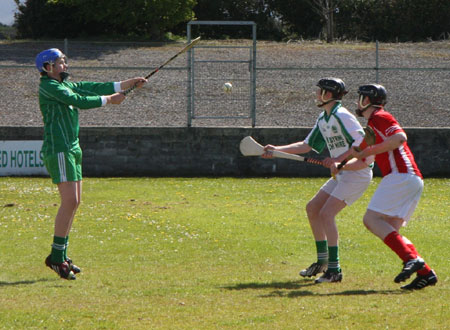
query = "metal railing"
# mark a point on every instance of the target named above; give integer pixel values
(260, 81)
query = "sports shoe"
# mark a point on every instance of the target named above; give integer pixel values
(313, 270)
(409, 268)
(329, 277)
(422, 281)
(61, 269)
(73, 267)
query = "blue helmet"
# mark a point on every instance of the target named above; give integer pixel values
(47, 56)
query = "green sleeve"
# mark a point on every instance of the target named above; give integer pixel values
(63, 93)
(315, 140)
(93, 88)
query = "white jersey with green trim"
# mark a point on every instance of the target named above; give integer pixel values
(338, 131)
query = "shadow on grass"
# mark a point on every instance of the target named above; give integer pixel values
(23, 282)
(294, 294)
(284, 287)
(275, 285)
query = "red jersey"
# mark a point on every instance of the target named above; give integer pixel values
(400, 160)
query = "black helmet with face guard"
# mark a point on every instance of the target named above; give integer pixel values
(377, 94)
(334, 85)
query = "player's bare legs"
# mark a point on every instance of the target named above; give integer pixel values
(381, 225)
(78, 201)
(327, 215)
(70, 199)
(313, 211)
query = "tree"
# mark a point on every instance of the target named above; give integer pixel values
(297, 18)
(326, 9)
(384, 20)
(113, 18)
(38, 18)
(258, 11)
(394, 20)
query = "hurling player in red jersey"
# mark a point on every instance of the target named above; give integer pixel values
(399, 191)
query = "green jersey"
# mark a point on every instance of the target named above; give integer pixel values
(59, 103)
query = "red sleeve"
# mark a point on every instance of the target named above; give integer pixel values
(386, 124)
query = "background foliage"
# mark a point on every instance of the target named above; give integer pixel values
(383, 20)
(112, 18)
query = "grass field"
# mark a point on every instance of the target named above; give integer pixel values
(196, 253)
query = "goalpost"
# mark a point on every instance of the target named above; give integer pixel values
(212, 64)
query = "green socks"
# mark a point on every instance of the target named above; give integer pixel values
(328, 255)
(66, 246)
(58, 248)
(333, 261)
(322, 252)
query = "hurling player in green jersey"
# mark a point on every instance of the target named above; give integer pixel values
(59, 101)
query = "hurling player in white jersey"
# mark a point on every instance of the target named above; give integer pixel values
(338, 130)
(399, 191)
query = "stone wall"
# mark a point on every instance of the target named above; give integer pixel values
(147, 151)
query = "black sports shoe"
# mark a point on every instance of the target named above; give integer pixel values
(329, 277)
(72, 266)
(61, 269)
(409, 268)
(313, 270)
(422, 281)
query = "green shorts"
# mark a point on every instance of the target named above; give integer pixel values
(64, 166)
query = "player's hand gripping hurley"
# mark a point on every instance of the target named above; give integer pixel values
(185, 49)
(249, 147)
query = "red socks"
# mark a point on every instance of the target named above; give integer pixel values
(399, 246)
(404, 249)
(426, 269)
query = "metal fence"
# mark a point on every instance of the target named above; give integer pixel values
(211, 66)
(417, 77)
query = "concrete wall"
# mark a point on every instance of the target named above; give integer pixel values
(147, 151)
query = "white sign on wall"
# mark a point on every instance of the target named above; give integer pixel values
(21, 158)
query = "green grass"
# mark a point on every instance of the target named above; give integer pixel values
(195, 253)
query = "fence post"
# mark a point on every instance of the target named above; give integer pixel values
(377, 66)
(189, 87)
(253, 79)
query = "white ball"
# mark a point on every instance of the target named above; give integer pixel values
(227, 87)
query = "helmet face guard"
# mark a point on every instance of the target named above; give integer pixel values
(377, 96)
(48, 56)
(362, 108)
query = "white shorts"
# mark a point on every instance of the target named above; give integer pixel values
(346, 188)
(397, 195)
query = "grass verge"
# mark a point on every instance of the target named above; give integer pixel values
(196, 253)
